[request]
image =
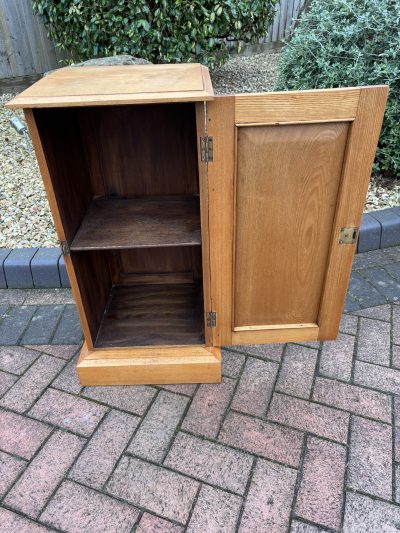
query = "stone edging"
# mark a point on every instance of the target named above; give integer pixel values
(44, 268)
(32, 268)
(379, 229)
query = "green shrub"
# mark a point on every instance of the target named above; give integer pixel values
(161, 31)
(346, 43)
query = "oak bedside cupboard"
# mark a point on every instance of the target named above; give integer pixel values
(190, 221)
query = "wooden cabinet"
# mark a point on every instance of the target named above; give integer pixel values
(190, 221)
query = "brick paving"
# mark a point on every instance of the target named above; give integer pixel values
(299, 438)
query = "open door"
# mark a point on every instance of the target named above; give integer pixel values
(287, 184)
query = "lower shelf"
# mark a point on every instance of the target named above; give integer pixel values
(151, 315)
(151, 366)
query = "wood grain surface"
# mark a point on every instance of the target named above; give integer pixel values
(356, 174)
(286, 189)
(140, 150)
(139, 223)
(160, 364)
(297, 106)
(113, 85)
(143, 315)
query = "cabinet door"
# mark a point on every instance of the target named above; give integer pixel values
(287, 185)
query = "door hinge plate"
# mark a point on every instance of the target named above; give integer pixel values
(211, 319)
(64, 247)
(206, 148)
(348, 235)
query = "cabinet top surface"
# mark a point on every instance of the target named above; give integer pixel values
(117, 85)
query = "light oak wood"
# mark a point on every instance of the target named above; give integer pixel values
(150, 366)
(276, 227)
(276, 335)
(286, 188)
(204, 217)
(274, 327)
(361, 148)
(297, 106)
(115, 85)
(220, 125)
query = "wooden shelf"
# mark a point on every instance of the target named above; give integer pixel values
(151, 315)
(145, 222)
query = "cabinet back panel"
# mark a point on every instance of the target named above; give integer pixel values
(157, 265)
(62, 144)
(286, 192)
(141, 150)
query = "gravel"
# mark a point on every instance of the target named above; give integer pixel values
(246, 74)
(25, 218)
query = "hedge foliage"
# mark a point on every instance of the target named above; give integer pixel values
(161, 31)
(346, 43)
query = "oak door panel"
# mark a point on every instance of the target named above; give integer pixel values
(286, 191)
(289, 171)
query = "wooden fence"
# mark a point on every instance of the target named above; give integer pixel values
(26, 50)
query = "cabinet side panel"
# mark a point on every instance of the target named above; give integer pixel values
(94, 281)
(286, 193)
(65, 157)
(58, 221)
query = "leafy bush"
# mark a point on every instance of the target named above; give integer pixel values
(161, 31)
(347, 43)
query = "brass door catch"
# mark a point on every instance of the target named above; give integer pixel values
(348, 235)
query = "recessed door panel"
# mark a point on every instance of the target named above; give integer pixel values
(287, 183)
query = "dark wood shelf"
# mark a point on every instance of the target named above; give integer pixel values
(151, 315)
(119, 223)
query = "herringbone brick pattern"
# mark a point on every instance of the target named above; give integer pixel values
(300, 438)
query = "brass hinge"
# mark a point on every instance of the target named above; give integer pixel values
(64, 248)
(206, 148)
(348, 235)
(211, 319)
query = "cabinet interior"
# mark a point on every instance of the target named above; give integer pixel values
(127, 187)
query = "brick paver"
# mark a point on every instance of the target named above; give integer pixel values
(370, 459)
(31, 385)
(208, 408)
(157, 429)
(297, 371)
(309, 416)
(68, 412)
(104, 449)
(216, 511)
(300, 438)
(320, 494)
(154, 488)
(32, 490)
(337, 357)
(78, 509)
(255, 387)
(210, 462)
(154, 524)
(10, 468)
(268, 504)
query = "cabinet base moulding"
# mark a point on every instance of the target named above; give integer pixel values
(150, 366)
